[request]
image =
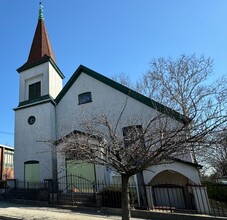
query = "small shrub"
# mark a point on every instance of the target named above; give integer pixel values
(3, 184)
(111, 196)
(216, 191)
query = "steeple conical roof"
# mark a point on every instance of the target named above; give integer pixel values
(41, 46)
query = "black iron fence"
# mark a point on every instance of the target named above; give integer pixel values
(189, 198)
(75, 190)
(209, 199)
(20, 190)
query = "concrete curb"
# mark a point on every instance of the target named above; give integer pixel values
(161, 215)
(143, 214)
(9, 218)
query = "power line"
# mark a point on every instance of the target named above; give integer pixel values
(2, 132)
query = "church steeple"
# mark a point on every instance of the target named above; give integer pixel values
(41, 46)
(40, 70)
(40, 84)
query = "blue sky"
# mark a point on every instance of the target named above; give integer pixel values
(108, 36)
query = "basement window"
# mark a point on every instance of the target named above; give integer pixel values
(84, 98)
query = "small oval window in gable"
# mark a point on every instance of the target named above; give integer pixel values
(84, 98)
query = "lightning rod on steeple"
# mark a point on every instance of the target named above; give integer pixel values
(41, 11)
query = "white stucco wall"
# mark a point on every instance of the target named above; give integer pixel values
(31, 140)
(111, 102)
(186, 170)
(69, 117)
(51, 82)
(55, 82)
(105, 100)
(33, 75)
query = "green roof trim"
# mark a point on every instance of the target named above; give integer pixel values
(33, 102)
(43, 60)
(188, 163)
(131, 93)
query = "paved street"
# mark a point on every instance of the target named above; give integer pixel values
(26, 211)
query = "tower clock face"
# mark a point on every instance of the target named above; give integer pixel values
(31, 120)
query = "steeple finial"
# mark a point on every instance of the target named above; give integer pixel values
(41, 17)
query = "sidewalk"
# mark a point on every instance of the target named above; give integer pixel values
(16, 211)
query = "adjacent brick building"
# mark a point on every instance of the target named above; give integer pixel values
(6, 162)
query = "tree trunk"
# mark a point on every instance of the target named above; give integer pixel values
(125, 201)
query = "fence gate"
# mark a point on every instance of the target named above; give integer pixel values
(169, 196)
(76, 190)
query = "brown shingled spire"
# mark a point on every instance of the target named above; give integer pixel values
(41, 46)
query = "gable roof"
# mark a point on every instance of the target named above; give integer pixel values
(187, 162)
(127, 91)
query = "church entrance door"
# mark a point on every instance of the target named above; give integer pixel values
(31, 171)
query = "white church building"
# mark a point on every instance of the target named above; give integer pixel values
(47, 111)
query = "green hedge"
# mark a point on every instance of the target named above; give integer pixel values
(216, 191)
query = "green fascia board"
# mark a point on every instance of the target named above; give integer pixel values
(129, 92)
(43, 60)
(33, 102)
(188, 163)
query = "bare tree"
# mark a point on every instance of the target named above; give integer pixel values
(180, 84)
(185, 84)
(132, 149)
(216, 156)
(123, 79)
